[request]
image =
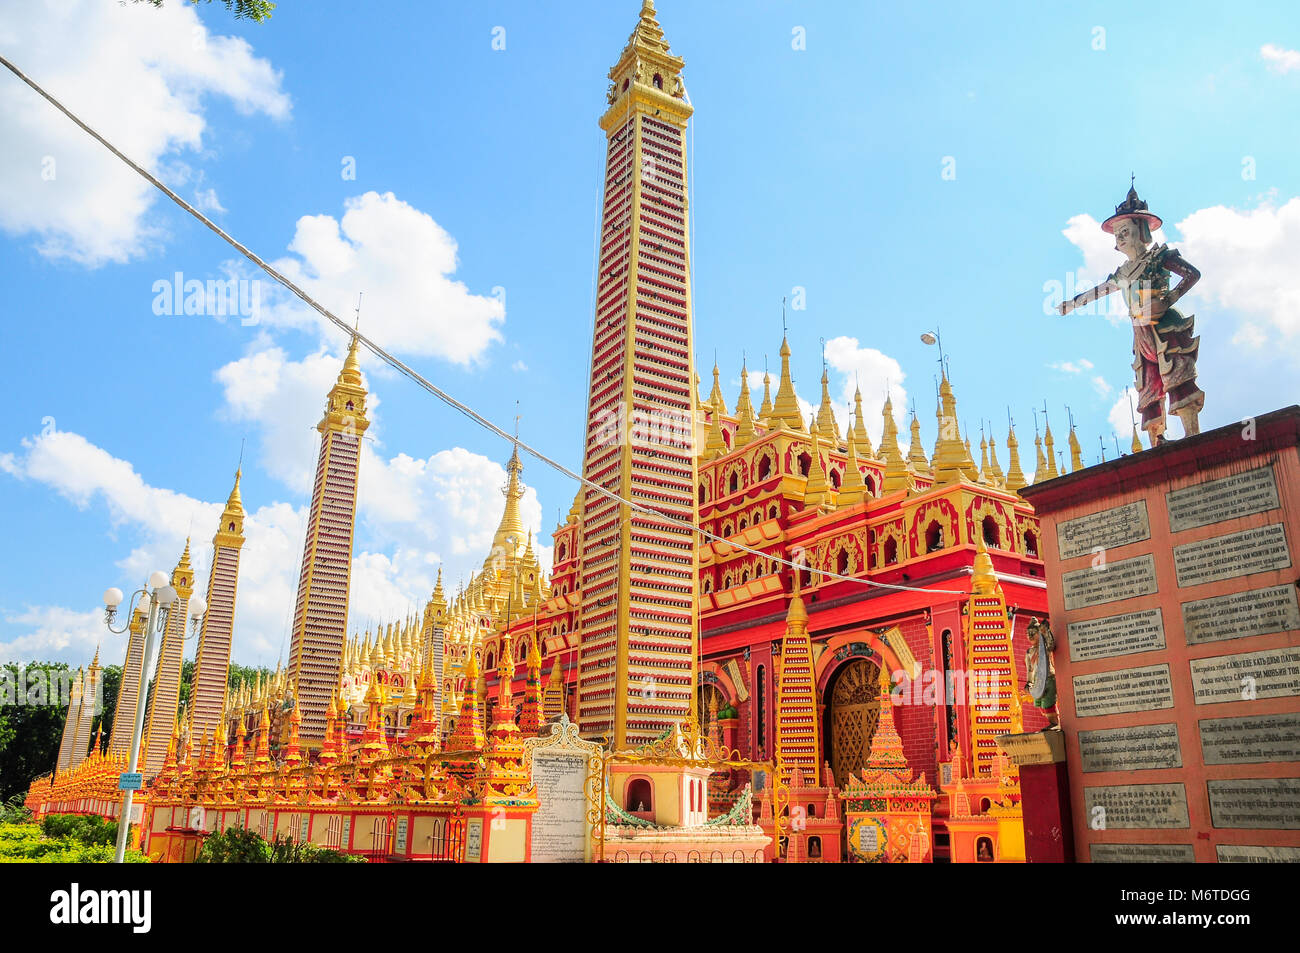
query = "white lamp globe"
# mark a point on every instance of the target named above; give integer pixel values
(113, 597)
(166, 595)
(158, 580)
(198, 606)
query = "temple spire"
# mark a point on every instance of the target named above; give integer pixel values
(860, 426)
(897, 475)
(826, 422)
(853, 489)
(1050, 452)
(785, 410)
(817, 492)
(1076, 452)
(916, 453)
(745, 431)
(999, 478)
(716, 400)
(765, 409)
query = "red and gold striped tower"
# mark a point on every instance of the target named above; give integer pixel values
(797, 742)
(212, 659)
(321, 614)
(165, 698)
(128, 691)
(637, 650)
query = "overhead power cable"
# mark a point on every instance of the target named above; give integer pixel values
(433, 389)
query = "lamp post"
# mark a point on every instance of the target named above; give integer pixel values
(164, 596)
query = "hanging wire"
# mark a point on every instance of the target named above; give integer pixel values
(433, 389)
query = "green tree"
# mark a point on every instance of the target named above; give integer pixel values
(30, 733)
(259, 11)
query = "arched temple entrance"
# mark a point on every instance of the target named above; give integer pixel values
(854, 711)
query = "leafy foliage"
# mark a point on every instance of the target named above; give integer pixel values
(28, 843)
(258, 11)
(29, 734)
(238, 846)
(89, 829)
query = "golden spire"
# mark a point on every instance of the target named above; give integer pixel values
(1040, 465)
(345, 405)
(817, 492)
(765, 411)
(950, 454)
(351, 371)
(183, 574)
(860, 426)
(1052, 472)
(714, 446)
(716, 400)
(508, 540)
(984, 580)
(916, 453)
(745, 431)
(231, 531)
(853, 489)
(1137, 444)
(999, 478)
(897, 476)
(785, 411)
(986, 474)
(1076, 452)
(826, 422)
(1014, 475)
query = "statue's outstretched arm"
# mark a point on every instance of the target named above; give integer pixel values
(1187, 274)
(1092, 294)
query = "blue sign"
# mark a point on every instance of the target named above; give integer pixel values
(130, 782)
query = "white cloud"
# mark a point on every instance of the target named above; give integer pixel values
(1248, 263)
(1072, 367)
(284, 399)
(519, 366)
(1247, 260)
(1279, 59)
(873, 371)
(139, 75)
(56, 633)
(418, 514)
(1123, 416)
(1099, 384)
(402, 262)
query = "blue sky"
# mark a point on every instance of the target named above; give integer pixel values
(928, 165)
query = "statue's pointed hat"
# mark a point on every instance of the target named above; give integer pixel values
(1131, 207)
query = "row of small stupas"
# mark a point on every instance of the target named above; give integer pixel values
(511, 586)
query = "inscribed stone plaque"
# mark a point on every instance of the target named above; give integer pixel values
(1241, 494)
(1251, 738)
(1240, 615)
(1255, 803)
(1231, 555)
(1137, 748)
(562, 768)
(1270, 673)
(560, 824)
(1142, 853)
(1125, 579)
(1128, 689)
(1113, 635)
(1106, 529)
(1131, 806)
(1243, 854)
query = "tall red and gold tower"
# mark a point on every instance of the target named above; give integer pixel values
(160, 723)
(321, 614)
(212, 659)
(119, 741)
(636, 665)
